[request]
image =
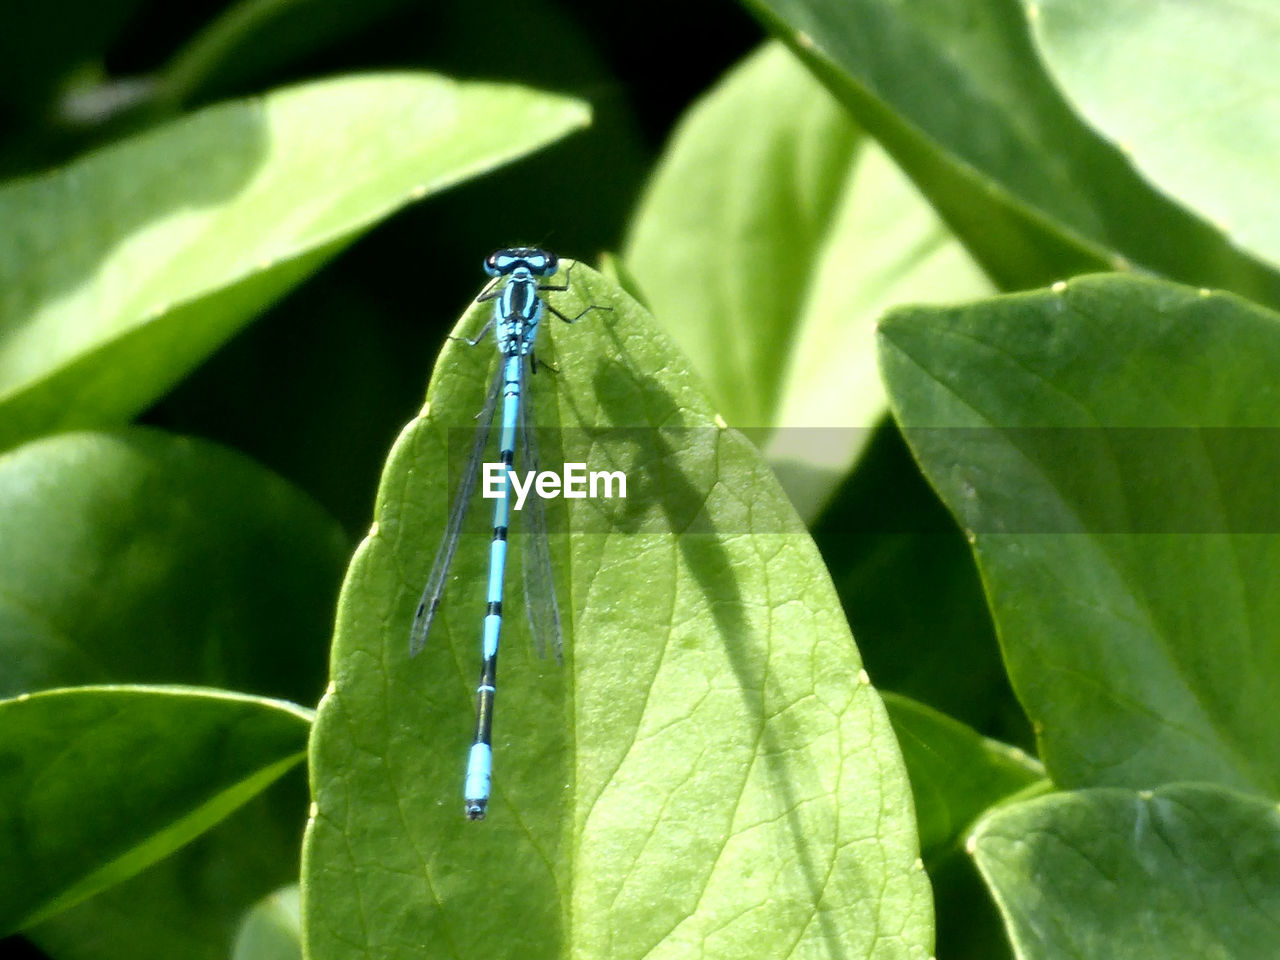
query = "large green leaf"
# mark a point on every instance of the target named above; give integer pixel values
(708, 770)
(1184, 871)
(124, 270)
(726, 238)
(771, 231)
(1184, 89)
(135, 555)
(100, 782)
(955, 92)
(1108, 446)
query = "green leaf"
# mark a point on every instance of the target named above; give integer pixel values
(956, 773)
(772, 230)
(751, 187)
(708, 770)
(135, 555)
(1184, 90)
(102, 781)
(126, 269)
(1188, 870)
(957, 95)
(139, 556)
(272, 930)
(1107, 446)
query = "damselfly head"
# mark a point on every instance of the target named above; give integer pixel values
(541, 263)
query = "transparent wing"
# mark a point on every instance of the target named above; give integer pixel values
(457, 513)
(539, 585)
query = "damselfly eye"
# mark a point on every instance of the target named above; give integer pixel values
(551, 263)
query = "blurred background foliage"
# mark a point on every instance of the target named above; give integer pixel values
(750, 212)
(317, 388)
